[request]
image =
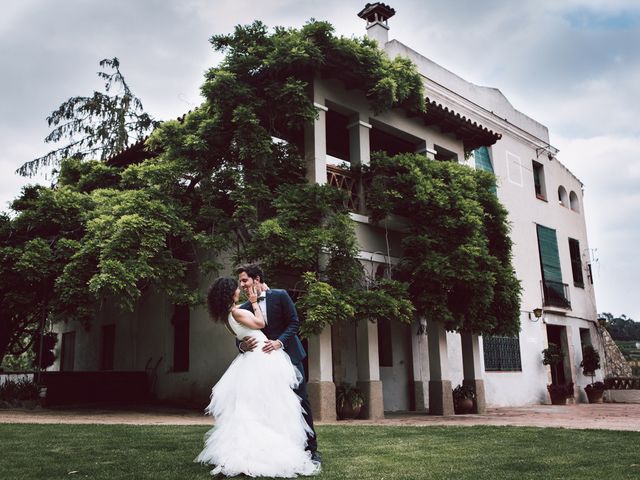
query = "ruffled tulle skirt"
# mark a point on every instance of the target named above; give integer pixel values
(259, 428)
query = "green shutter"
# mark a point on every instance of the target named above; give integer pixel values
(483, 162)
(549, 257)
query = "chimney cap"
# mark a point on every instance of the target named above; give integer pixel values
(376, 12)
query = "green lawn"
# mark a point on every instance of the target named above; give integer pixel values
(165, 452)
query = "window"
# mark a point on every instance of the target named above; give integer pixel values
(68, 352)
(585, 337)
(445, 155)
(538, 181)
(554, 291)
(576, 263)
(573, 201)
(385, 353)
(563, 198)
(180, 322)
(337, 139)
(108, 347)
(392, 141)
(502, 354)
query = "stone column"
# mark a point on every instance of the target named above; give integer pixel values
(424, 149)
(440, 393)
(369, 369)
(315, 147)
(471, 369)
(359, 150)
(420, 358)
(321, 389)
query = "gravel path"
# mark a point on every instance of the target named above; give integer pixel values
(610, 416)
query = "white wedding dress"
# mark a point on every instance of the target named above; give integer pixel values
(259, 428)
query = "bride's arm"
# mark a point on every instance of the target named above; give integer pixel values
(248, 319)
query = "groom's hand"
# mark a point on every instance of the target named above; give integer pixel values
(248, 344)
(271, 346)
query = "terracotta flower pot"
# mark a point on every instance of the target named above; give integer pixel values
(348, 412)
(464, 405)
(594, 395)
(559, 393)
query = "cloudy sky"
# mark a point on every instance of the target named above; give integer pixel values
(573, 65)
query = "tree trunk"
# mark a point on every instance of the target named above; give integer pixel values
(4, 337)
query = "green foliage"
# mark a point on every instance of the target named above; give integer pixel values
(350, 395)
(18, 390)
(101, 125)
(552, 355)
(590, 359)
(18, 363)
(621, 327)
(386, 299)
(457, 252)
(321, 305)
(462, 392)
(231, 172)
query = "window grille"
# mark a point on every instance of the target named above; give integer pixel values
(502, 354)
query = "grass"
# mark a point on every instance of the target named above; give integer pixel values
(357, 452)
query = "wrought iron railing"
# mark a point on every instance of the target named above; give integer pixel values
(555, 294)
(345, 180)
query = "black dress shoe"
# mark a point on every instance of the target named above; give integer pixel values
(316, 457)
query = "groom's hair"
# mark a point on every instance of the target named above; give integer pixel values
(252, 271)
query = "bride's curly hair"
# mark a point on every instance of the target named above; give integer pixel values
(220, 298)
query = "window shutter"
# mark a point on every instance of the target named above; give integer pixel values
(549, 257)
(483, 162)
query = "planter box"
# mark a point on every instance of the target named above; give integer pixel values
(64, 388)
(622, 396)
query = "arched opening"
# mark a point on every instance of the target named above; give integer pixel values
(563, 198)
(573, 201)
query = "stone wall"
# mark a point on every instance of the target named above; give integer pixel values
(614, 363)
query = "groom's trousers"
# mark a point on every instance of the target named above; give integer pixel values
(301, 391)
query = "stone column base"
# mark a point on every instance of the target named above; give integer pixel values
(421, 395)
(322, 398)
(373, 399)
(440, 397)
(481, 402)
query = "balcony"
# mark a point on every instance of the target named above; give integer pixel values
(555, 294)
(344, 180)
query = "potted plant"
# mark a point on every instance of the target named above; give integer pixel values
(553, 356)
(590, 363)
(349, 401)
(463, 399)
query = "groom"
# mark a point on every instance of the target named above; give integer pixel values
(281, 319)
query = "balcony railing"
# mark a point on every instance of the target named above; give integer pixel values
(345, 181)
(555, 294)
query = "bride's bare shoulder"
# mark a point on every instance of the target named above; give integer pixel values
(241, 315)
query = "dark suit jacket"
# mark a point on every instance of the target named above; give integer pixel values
(282, 323)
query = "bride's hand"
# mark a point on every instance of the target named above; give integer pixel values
(252, 294)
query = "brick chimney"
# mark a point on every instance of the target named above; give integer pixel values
(376, 15)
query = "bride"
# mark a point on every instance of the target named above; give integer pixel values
(259, 429)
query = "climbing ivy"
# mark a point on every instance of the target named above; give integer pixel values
(230, 175)
(457, 252)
